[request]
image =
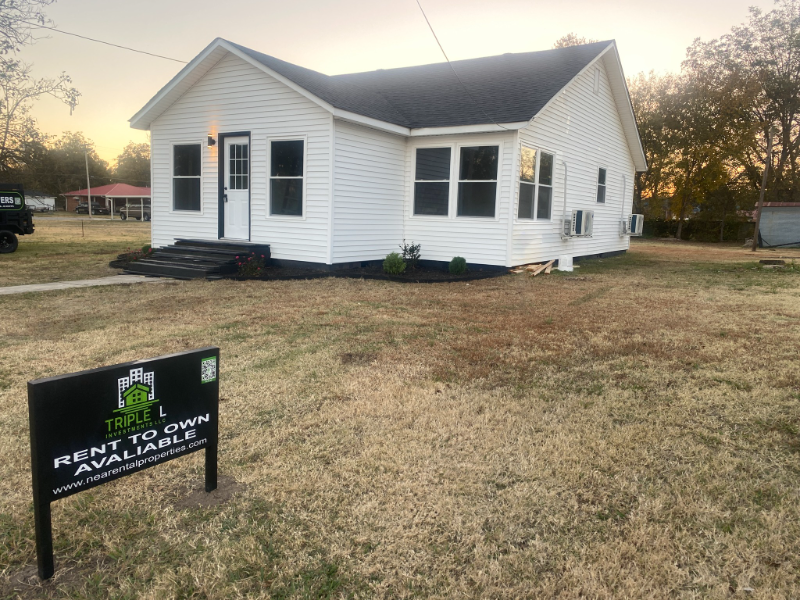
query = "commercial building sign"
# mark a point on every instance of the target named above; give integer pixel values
(92, 427)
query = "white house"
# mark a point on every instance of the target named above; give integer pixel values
(478, 159)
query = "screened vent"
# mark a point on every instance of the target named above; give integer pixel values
(580, 225)
(633, 225)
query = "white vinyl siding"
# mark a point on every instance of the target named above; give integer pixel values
(481, 240)
(234, 96)
(584, 130)
(369, 190)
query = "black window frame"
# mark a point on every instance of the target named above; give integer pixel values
(274, 178)
(198, 178)
(423, 182)
(601, 198)
(462, 182)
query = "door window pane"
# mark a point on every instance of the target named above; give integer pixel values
(431, 198)
(186, 160)
(527, 165)
(287, 159)
(287, 197)
(476, 199)
(525, 200)
(545, 202)
(433, 164)
(479, 163)
(238, 166)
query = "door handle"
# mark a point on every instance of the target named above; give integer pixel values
(224, 197)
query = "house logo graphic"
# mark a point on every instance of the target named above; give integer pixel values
(135, 400)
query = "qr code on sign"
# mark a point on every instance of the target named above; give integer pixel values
(208, 369)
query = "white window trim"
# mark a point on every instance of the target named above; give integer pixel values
(457, 167)
(203, 156)
(535, 218)
(414, 180)
(268, 211)
(598, 184)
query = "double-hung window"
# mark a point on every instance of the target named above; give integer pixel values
(477, 181)
(601, 185)
(186, 170)
(286, 177)
(535, 184)
(432, 181)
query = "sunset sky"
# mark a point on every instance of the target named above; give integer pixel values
(335, 37)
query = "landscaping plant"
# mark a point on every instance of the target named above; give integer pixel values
(458, 266)
(394, 264)
(133, 256)
(250, 266)
(411, 254)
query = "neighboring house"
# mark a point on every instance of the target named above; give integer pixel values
(340, 169)
(40, 201)
(780, 224)
(112, 196)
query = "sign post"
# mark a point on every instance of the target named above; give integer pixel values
(96, 426)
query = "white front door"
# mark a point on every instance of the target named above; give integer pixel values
(236, 188)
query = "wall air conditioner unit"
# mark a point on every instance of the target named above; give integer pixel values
(633, 225)
(580, 225)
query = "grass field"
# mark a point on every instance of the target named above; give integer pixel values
(66, 246)
(628, 430)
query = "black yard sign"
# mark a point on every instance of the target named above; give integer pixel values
(92, 427)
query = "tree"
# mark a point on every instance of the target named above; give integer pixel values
(63, 169)
(18, 91)
(17, 17)
(133, 165)
(759, 62)
(572, 40)
(649, 96)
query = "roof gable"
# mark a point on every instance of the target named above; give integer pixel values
(506, 89)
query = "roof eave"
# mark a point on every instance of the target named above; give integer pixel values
(625, 112)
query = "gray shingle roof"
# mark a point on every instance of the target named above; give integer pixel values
(508, 88)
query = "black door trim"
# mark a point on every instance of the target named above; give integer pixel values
(221, 182)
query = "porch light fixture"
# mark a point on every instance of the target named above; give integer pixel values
(211, 141)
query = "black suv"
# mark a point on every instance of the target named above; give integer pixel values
(97, 209)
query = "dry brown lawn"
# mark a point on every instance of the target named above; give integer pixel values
(66, 247)
(629, 430)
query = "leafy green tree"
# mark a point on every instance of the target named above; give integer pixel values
(133, 165)
(759, 64)
(649, 95)
(63, 168)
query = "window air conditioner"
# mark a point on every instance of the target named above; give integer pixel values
(580, 225)
(633, 225)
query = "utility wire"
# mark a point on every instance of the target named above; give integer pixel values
(475, 102)
(83, 37)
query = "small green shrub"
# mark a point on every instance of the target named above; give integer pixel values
(458, 266)
(146, 249)
(411, 254)
(394, 264)
(250, 266)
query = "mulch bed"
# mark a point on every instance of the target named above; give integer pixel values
(418, 275)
